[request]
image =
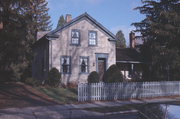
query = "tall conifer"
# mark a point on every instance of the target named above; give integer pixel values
(161, 31)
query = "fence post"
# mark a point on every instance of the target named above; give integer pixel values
(124, 90)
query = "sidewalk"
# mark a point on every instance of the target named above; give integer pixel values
(70, 110)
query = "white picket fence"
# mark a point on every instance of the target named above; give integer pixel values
(127, 90)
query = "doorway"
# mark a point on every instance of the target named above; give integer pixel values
(101, 64)
(101, 67)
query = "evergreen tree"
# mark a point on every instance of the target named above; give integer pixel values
(41, 17)
(21, 20)
(61, 21)
(161, 31)
(14, 44)
(121, 42)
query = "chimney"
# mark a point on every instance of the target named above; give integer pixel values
(132, 39)
(1, 25)
(68, 18)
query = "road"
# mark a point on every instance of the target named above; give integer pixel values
(117, 116)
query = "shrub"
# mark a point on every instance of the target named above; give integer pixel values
(93, 77)
(54, 77)
(32, 81)
(113, 74)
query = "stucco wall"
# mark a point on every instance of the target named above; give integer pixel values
(62, 47)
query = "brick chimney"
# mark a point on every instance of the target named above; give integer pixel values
(132, 39)
(68, 18)
(1, 25)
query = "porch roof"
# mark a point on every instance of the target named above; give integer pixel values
(128, 55)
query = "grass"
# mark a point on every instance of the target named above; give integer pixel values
(62, 95)
(113, 109)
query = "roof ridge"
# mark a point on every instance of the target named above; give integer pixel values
(78, 18)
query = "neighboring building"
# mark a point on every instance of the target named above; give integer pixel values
(130, 60)
(81, 46)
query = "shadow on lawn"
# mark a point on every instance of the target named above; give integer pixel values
(62, 95)
(20, 95)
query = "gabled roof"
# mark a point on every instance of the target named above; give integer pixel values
(40, 34)
(85, 15)
(128, 55)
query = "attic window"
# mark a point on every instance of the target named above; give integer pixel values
(75, 37)
(92, 38)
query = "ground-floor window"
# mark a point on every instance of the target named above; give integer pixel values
(66, 64)
(84, 61)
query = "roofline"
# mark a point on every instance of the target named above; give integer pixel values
(135, 62)
(80, 17)
(52, 36)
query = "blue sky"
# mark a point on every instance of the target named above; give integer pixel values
(113, 14)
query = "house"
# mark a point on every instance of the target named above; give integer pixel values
(129, 60)
(79, 47)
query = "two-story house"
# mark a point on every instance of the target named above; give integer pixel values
(79, 47)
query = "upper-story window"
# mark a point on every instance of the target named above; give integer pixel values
(84, 61)
(65, 64)
(75, 37)
(92, 38)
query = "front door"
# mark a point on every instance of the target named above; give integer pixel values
(101, 67)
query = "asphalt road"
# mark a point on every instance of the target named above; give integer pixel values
(117, 116)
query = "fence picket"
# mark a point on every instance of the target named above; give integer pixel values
(124, 90)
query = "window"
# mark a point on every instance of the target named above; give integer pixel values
(84, 61)
(75, 37)
(66, 64)
(92, 37)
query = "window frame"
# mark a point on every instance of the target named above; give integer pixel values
(61, 67)
(80, 70)
(91, 31)
(75, 30)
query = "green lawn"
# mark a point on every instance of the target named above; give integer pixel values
(62, 95)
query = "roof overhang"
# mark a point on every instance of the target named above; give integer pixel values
(85, 15)
(133, 62)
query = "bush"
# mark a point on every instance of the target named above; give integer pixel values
(93, 77)
(54, 77)
(32, 81)
(113, 74)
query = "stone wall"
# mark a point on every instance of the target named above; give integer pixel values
(62, 47)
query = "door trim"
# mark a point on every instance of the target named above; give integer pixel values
(101, 55)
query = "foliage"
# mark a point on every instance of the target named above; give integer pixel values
(61, 21)
(93, 77)
(54, 77)
(121, 42)
(160, 32)
(21, 20)
(32, 81)
(15, 47)
(41, 17)
(113, 74)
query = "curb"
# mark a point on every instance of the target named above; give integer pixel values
(121, 112)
